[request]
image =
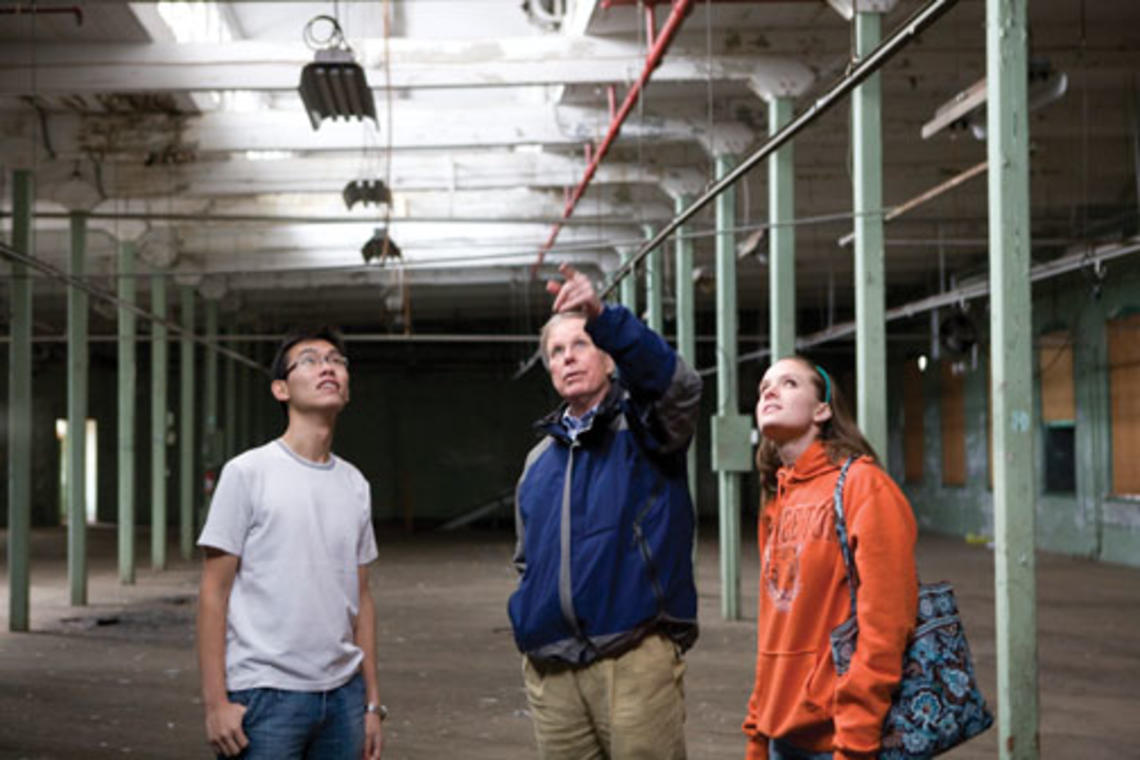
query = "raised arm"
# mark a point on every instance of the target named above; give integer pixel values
(649, 367)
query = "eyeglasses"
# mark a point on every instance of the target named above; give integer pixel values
(311, 361)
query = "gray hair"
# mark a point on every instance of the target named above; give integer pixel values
(556, 318)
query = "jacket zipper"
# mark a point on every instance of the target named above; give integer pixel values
(565, 583)
(643, 545)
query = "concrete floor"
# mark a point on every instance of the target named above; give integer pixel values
(117, 678)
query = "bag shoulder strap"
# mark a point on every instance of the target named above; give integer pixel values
(841, 531)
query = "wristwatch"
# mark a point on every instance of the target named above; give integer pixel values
(376, 709)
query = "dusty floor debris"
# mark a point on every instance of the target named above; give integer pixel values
(117, 677)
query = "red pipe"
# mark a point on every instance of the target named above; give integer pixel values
(652, 60)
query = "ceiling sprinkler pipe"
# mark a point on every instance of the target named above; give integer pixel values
(652, 60)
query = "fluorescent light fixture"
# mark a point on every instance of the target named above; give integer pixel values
(334, 86)
(380, 246)
(366, 191)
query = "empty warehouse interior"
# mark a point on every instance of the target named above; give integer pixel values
(938, 200)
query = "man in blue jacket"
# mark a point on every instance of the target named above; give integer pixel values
(606, 603)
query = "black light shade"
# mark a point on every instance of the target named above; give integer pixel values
(380, 246)
(366, 191)
(957, 333)
(335, 86)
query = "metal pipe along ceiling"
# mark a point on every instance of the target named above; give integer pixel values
(657, 51)
(910, 29)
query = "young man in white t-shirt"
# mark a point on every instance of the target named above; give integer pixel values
(286, 627)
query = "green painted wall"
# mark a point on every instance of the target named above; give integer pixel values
(436, 439)
(434, 431)
(1088, 522)
(440, 429)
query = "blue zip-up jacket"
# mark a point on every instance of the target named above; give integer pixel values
(604, 521)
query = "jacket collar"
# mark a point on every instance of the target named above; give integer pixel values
(609, 407)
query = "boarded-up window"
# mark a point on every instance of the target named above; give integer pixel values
(953, 427)
(1124, 388)
(913, 431)
(1055, 357)
(1058, 410)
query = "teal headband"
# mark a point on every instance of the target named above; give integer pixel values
(826, 384)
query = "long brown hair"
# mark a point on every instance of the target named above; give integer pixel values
(840, 435)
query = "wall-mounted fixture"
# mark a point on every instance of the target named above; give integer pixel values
(957, 333)
(334, 85)
(380, 246)
(366, 191)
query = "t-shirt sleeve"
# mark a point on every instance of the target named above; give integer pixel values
(366, 540)
(231, 510)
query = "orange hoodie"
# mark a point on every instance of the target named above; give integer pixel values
(804, 594)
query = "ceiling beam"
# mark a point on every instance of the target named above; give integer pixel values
(415, 64)
(410, 171)
(447, 240)
(503, 205)
(475, 239)
(415, 127)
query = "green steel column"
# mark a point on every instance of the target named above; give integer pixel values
(627, 288)
(1011, 325)
(159, 377)
(870, 316)
(230, 387)
(20, 404)
(654, 286)
(260, 426)
(186, 479)
(77, 416)
(686, 318)
(728, 481)
(245, 406)
(211, 444)
(127, 403)
(781, 237)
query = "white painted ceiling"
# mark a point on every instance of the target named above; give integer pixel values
(202, 152)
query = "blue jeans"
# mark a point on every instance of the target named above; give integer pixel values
(781, 750)
(303, 725)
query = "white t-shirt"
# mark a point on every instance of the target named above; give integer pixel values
(301, 529)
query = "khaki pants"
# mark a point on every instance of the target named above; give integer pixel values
(624, 708)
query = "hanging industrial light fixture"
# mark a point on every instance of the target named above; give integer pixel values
(334, 85)
(366, 191)
(380, 246)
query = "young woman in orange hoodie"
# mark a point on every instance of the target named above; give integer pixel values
(800, 708)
